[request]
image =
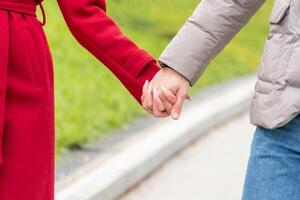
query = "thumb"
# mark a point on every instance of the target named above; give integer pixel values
(181, 97)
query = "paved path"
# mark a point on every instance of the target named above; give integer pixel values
(213, 168)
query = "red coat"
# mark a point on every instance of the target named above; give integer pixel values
(26, 87)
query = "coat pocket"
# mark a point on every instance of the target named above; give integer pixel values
(279, 11)
(35, 56)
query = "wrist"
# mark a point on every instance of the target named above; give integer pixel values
(170, 70)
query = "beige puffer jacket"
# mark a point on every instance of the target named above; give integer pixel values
(214, 23)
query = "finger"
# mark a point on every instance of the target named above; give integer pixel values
(170, 96)
(149, 111)
(161, 114)
(142, 98)
(158, 108)
(157, 104)
(176, 111)
(148, 97)
(145, 87)
(146, 109)
(144, 91)
(168, 106)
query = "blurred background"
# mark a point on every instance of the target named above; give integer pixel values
(88, 96)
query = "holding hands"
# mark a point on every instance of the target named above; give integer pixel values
(165, 94)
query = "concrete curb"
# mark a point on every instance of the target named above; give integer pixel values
(124, 169)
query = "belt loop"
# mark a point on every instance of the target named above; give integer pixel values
(43, 13)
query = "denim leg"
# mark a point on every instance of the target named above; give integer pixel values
(274, 165)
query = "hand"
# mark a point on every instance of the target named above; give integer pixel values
(165, 94)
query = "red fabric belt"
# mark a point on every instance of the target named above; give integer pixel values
(29, 9)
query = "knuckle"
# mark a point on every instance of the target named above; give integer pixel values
(149, 104)
(161, 108)
(147, 107)
(155, 115)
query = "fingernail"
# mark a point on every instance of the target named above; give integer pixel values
(175, 116)
(155, 90)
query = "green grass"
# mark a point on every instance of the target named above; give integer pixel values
(90, 102)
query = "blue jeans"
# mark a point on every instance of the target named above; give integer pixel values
(274, 165)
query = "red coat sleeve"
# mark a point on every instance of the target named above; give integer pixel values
(99, 34)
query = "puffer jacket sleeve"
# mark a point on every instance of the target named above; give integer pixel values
(99, 34)
(212, 25)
